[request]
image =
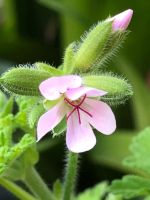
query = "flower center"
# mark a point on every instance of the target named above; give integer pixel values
(77, 107)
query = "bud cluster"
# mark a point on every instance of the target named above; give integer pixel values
(96, 47)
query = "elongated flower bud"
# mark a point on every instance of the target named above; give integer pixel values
(122, 20)
(119, 90)
(23, 80)
(92, 46)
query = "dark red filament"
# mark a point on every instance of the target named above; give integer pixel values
(78, 108)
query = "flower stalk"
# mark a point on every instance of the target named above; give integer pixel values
(16, 190)
(70, 175)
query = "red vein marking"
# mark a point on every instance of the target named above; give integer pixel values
(77, 107)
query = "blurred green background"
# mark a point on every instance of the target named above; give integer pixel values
(40, 30)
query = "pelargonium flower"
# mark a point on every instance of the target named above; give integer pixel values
(82, 108)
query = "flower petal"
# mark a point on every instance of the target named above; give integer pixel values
(79, 137)
(76, 93)
(50, 119)
(102, 118)
(52, 88)
(122, 20)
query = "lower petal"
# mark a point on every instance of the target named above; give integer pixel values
(102, 118)
(50, 119)
(79, 137)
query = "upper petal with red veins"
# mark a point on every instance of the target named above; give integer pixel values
(102, 118)
(50, 119)
(79, 137)
(52, 88)
(76, 93)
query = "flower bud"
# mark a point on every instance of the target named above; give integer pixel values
(92, 46)
(122, 20)
(119, 90)
(23, 80)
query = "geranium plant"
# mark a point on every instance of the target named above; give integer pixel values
(70, 100)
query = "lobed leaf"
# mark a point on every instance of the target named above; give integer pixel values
(95, 193)
(9, 154)
(26, 105)
(131, 186)
(140, 148)
(6, 130)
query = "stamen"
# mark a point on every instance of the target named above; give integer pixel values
(85, 111)
(71, 113)
(79, 115)
(77, 107)
(82, 100)
(69, 102)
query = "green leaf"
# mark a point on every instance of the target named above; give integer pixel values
(131, 186)
(23, 80)
(118, 89)
(26, 104)
(95, 193)
(48, 68)
(6, 130)
(9, 154)
(21, 120)
(26, 141)
(140, 148)
(60, 128)
(57, 189)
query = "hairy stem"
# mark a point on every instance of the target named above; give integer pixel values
(70, 175)
(16, 190)
(37, 186)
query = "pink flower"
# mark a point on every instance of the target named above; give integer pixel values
(122, 20)
(82, 109)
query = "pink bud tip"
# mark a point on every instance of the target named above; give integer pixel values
(122, 20)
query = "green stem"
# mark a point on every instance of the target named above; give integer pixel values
(16, 190)
(37, 186)
(70, 175)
